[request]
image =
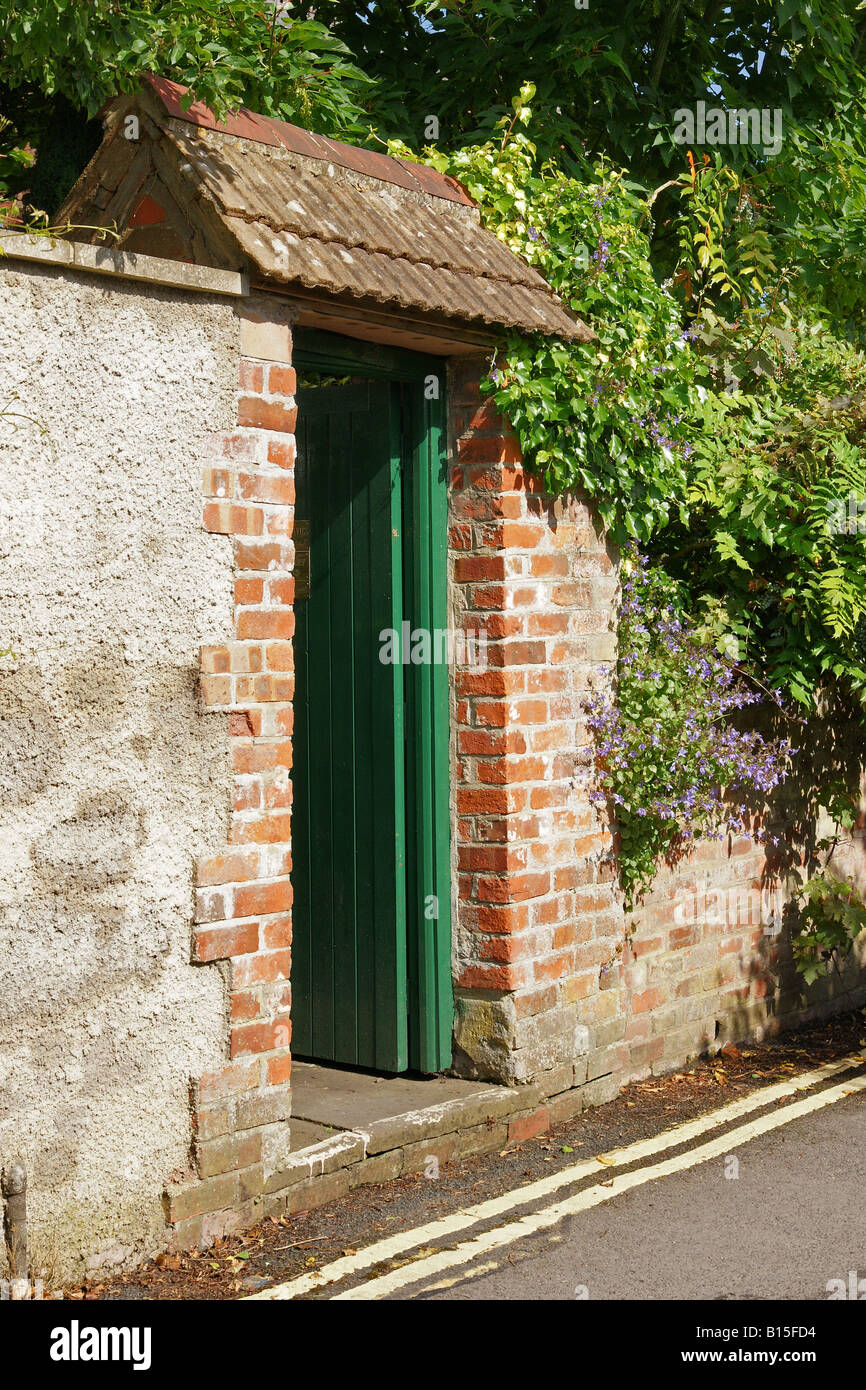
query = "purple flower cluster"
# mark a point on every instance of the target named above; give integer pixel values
(657, 431)
(668, 751)
(650, 424)
(601, 255)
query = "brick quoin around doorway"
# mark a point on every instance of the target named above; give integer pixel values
(244, 895)
(537, 995)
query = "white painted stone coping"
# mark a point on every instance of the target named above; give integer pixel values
(104, 260)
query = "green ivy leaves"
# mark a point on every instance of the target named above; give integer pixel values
(832, 917)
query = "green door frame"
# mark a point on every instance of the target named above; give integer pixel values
(419, 460)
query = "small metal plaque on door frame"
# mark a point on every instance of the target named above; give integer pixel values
(301, 536)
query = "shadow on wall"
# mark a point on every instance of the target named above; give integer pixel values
(829, 775)
(711, 959)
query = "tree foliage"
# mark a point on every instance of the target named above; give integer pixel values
(832, 917)
(732, 445)
(61, 60)
(607, 77)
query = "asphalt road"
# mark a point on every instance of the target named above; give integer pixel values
(791, 1220)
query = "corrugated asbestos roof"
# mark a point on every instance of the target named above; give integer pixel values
(265, 130)
(328, 218)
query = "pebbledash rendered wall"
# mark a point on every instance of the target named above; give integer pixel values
(147, 492)
(112, 783)
(145, 713)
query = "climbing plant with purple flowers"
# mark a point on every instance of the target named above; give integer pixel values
(719, 417)
(667, 754)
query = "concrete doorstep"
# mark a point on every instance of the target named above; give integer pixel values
(349, 1128)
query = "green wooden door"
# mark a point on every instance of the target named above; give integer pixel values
(370, 962)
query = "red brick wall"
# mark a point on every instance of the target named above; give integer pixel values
(536, 911)
(708, 961)
(244, 894)
(550, 975)
(699, 959)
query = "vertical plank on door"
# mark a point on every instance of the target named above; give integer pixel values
(349, 966)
